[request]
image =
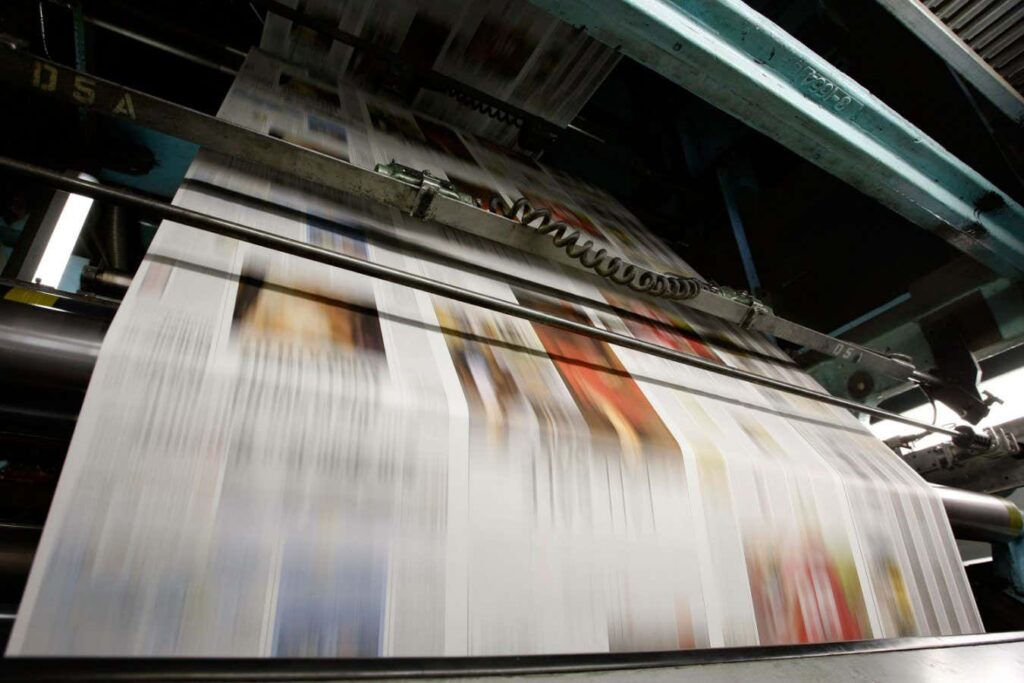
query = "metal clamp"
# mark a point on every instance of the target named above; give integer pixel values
(755, 310)
(992, 443)
(428, 186)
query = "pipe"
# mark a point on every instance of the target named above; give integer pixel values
(117, 237)
(154, 43)
(44, 347)
(980, 516)
(105, 281)
(262, 238)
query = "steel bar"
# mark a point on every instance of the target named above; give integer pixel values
(410, 244)
(138, 13)
(159, 45)
(728, 184)
(221, 136)
(960, 56)
(318, 254)
(739, 61)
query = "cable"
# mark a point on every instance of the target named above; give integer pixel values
(42, 31)
(614, 268)
(935, 408)
(469, 101)
(257, 13)
(908, 439)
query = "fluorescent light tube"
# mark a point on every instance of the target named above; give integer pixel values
(63, 238)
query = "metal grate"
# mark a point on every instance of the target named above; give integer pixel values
(993, 28)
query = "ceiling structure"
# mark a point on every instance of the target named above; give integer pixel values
(994, 29)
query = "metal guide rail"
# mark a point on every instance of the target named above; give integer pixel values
(296, 248)
(412, 196)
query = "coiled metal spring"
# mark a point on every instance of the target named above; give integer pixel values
(471, 102)
(614, 268)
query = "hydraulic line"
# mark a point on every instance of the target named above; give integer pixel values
(613, 268)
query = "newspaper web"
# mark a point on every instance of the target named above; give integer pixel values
(280, 458)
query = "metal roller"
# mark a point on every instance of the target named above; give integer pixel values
(48, 347)
(105, 281)
(981, 516)
(47, 360)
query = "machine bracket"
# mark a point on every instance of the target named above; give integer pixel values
(755, 310)
(428, 187)
(987, 461)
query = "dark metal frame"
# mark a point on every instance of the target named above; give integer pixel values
(97, 95)
(288, 669)
(296, 248)
(250, 145)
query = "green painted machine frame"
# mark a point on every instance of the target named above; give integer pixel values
(736, 59)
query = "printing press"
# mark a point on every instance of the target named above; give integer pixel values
(345, 194)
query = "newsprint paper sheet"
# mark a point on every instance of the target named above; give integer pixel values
(508, 49)
(280, 458)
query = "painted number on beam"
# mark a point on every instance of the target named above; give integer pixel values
(844, 352)
(46, 77)
(831, 95)
(125, 107)
(85, 90)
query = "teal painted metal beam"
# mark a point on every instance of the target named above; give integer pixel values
(870, 315)
(736, 59)
(732, 206)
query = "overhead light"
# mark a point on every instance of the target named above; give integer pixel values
(64, 237)
(1009, 387)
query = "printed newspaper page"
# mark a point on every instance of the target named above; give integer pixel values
(280, 458)
(508, 49)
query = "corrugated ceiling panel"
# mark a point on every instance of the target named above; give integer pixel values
(993, 28)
